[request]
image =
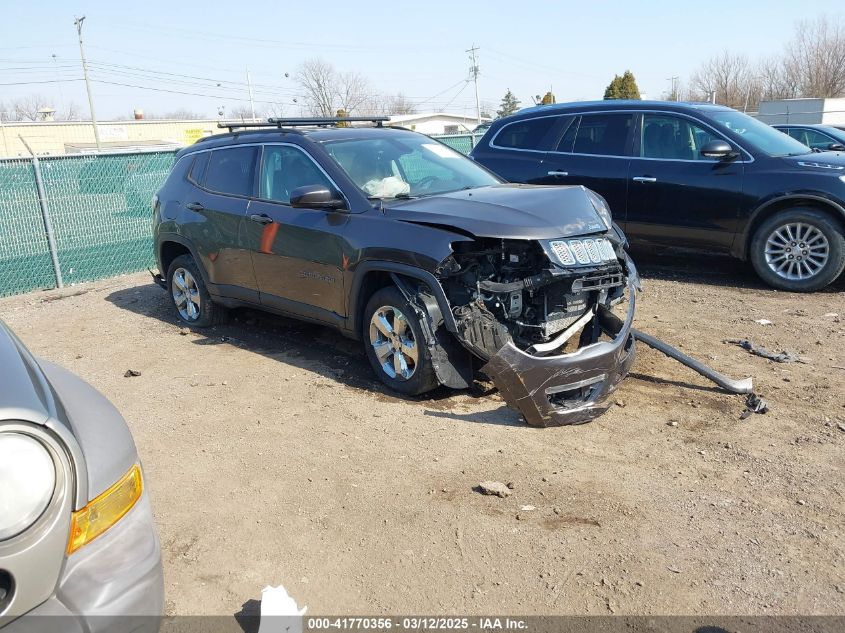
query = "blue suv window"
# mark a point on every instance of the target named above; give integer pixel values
(603, 134)
(525, 134)
(673, 138)
(232, 170)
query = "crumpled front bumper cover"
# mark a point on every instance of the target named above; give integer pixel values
(570, 388)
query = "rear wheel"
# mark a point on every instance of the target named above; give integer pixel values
(190, 296)
(395, 345)
(799, 249)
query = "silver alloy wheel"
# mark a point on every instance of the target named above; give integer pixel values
(797, 251)
(393, 343)
(186, 294)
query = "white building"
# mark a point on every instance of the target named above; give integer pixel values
(437, 122)
(807, 111)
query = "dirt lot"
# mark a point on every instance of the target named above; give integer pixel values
(272, 456)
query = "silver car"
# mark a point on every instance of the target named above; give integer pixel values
(77, 537)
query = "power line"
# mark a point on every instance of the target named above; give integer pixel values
(32, 83)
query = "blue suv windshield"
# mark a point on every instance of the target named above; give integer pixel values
(758, 135)
(407, 166)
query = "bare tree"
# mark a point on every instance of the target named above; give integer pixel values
(399, 104)
(241, 113)
(731, 77)
(327, 90)
(69, 112)
(274, 110)
(814, 60)
(26, 108)
(317, 79)
(776, 82)
(352, 91)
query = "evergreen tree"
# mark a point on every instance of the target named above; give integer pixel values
(509, 105)
(624, 87)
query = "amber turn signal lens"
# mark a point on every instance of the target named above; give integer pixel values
(105, 510)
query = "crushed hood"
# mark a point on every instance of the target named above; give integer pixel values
(508, 211)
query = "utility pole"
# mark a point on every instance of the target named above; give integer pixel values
(473, 71)
(251, 102)
(78, 24)
(673, 95)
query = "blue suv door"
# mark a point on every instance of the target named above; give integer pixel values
(594, 151)
(675, 194)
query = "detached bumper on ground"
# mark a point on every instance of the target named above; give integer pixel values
(570, 388)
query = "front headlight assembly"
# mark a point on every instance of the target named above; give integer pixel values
(27, 482)
(601, 207)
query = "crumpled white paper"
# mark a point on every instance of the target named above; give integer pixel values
(279, 612)
(389, 187)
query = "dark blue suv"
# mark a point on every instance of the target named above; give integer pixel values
(698, 176)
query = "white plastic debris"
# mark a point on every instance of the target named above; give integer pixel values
(389, 187)
(763, 322)
(279, 612)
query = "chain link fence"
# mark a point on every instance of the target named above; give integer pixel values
(460, 142)
(97, 209)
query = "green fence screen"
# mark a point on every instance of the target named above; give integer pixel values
(99, 207)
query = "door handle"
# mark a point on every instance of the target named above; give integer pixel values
(554, 172)
(644, 179)
(195, 206)
(261, 218)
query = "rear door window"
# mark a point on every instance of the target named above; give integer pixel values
(604, 134)
(525, 134)
(231, 170)
(198, 168)
(568, 139)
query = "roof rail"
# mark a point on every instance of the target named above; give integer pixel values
(308, 121)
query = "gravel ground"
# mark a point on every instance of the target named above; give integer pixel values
(273, 457)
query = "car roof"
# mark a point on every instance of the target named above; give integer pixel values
(814, 126)
(271, 134)
(619, 104)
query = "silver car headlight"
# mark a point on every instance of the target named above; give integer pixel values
(600, 205)
(27, 482)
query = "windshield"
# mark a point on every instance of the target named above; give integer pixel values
(759, 135)
(407, 166)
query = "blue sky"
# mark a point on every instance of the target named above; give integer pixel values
(414, 48)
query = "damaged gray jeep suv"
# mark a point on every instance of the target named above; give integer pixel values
(394, 238)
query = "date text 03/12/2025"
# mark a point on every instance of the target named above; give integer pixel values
(416, 623)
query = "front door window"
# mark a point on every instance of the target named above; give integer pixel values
(673, 138)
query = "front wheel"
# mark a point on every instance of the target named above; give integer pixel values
(395, 345)
(800, 250)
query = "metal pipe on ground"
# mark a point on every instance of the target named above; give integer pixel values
(745, 385)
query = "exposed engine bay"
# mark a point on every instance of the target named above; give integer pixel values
(529, 292)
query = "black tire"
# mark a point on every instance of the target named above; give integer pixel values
(423, 378)
(209, 313)
(821, 221)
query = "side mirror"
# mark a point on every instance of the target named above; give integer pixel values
(836, 147)
(316, 197)
(718, 149)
